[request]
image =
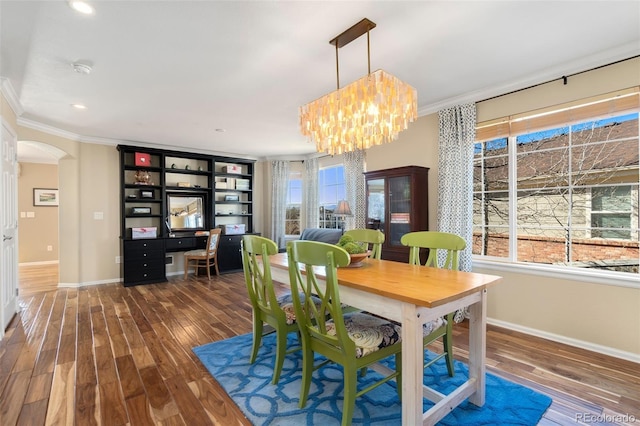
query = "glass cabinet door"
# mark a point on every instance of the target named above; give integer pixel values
(375, 203)
(399, 208)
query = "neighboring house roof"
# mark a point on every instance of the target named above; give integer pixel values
(546, 162)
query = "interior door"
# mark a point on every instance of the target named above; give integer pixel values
(9, 223)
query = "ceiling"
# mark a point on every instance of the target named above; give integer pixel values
(228, 76)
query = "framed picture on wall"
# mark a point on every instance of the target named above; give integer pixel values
(45, 197)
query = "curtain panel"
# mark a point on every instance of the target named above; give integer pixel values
(310, 200)
(354, 163)
(455, 175)
(280, 177)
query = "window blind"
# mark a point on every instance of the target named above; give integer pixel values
(600, 106)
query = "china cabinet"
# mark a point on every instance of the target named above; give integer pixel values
(397, 203)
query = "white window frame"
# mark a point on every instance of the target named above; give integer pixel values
(334, 221)
(511, 264)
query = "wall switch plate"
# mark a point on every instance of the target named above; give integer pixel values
(118, 259)
(49, 248)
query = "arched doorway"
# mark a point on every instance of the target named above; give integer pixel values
(38, 246)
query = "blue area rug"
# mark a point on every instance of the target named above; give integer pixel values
(249, 385)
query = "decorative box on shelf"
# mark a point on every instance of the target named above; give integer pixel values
(149, 232)
(235, 229)
(242, 184)
(232, 169)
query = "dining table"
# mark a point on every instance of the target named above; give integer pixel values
(414, 295)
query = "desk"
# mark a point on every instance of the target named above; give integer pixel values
(414, 295)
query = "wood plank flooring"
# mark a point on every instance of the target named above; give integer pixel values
(109, 355)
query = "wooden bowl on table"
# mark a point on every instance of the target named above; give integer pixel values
(357, 259)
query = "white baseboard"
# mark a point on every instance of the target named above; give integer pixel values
(43, 262)
(88, 283)
(172, 274)
(605, 350)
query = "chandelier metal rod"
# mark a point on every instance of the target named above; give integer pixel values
(347, 36)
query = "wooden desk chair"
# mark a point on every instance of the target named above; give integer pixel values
(347, 339)
(372, 238)
(206, 257)
(451, 244)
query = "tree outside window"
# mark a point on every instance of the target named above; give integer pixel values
(294, 202)
(573, 200)
(332, 188)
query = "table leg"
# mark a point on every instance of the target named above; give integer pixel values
(478, 347)
(412, 363)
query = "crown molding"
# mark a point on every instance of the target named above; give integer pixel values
(624, 52)
(45, 128)
(10, 95)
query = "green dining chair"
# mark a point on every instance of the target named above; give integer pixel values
(435, 242)
(372, 238)
(353, 340)
(278, 312)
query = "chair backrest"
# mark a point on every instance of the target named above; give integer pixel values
(213, 240)
(434, 241)
(257, 271)
(372, 238)
(312, 318)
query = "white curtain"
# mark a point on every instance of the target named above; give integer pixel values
(280, 178)
(455, 175)
(355, 188)
(455, 179)
(310, 194)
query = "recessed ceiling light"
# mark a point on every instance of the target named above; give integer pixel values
(79, 106)
(220, 130)
(81, 6)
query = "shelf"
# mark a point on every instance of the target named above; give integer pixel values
(233, 202)
(147, 168)
(133, 185)
(188, 172)
(232, 190)
(131, 216)
(234, 215)
(187, 188)
(233, 175)
(141, 200)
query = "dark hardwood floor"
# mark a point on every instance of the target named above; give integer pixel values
(111, 355)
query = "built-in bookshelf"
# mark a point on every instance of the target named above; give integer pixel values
(167, 197)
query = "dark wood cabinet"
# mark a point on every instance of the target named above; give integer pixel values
(229, 256)
(397, 203)
(143, 261)
(168, 196)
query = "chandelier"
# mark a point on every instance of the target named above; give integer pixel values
(370, 111)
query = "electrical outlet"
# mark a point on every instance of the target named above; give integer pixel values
(49, 248)
(118, 259)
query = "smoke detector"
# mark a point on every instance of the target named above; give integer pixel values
(81, 68)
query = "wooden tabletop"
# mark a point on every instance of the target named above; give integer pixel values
(418, 285)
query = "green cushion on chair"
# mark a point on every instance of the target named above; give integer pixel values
(369, 333)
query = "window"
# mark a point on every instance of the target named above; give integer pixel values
(560, 187)
(331, 187)
(294, 202)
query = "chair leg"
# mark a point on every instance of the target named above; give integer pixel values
(307, 371)
(281, 351)
(208, 269)
(448, 345)
(399, 376)
(257, 339)
(186, 268)
(216, 265)
(350, 390)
